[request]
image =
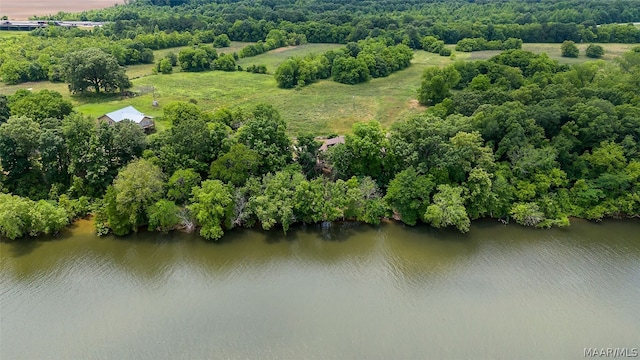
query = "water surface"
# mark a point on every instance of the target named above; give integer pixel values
(349, 292)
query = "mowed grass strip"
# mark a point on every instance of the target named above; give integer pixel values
(272, 59)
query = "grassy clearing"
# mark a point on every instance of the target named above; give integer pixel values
(272, 59)
(323, 107)
(10, 33)
(611, 51)
(138, 71)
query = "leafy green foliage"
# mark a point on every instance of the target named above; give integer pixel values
(93, 68)
(409, 194)
(181, 183)
(265, 133)
(448, 209)
(163, 215)
(39, 106)
(137, 187)
(210, 206)
(594, 51)
(20, 217)
(436, 84)
(569, 49)
(236, 166)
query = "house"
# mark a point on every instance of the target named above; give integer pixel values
(129, 113)
(326, 144)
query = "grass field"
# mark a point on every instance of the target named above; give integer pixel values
(323, 107)
(611, 51)
(274, 58)
(137, 71)
(10, 33)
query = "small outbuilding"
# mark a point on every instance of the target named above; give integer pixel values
(129, 113)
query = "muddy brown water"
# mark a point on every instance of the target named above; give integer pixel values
(346, 292)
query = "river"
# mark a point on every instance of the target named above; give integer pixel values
(348, 292)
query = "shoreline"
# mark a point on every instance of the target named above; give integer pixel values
(89, 229)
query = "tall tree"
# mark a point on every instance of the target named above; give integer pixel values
(94, 68)
(448, 209)
(265, 132)
(210, 205)
(139, 185)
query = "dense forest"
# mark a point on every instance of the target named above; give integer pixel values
(518, 137)
(133, 31)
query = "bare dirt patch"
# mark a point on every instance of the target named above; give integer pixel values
(414, 104)
(283, 49)
(22, 10)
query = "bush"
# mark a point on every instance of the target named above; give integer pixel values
(594, 51)
(569, 49)
(445, 52)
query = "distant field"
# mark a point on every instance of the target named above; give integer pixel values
(323, 107)
(22, 10)
(274, 58)
(136, 71)
(611, 51)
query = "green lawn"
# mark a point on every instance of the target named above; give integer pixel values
(323, 107)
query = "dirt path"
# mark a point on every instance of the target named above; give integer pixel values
(23, 9)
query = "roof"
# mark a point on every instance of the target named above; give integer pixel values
(330, 142)
(128, 113)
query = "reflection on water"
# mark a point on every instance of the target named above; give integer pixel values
(345, 291)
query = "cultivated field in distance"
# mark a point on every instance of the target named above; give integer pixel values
(22, 10)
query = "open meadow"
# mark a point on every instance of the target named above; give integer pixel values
(323, 107)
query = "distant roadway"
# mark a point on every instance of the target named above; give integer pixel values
(34, 24)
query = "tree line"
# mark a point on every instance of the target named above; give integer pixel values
(517, 137)
(353, 64)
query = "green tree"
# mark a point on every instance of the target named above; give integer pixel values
(266, 133)
(569, 49)
(137, 186)
(181, 183)
(210, 205)
(448, 209)
(129, 141)
(276, 203)
(306, 154)
(5, 112)
(39, 106)
(93, 68)
(408, 195)
(224, 62)
(164, 66)
(436, 83)
(349, 70)
(527, 214)
(19, 140)
(163, 216)
(236, 166)
(594, 51)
